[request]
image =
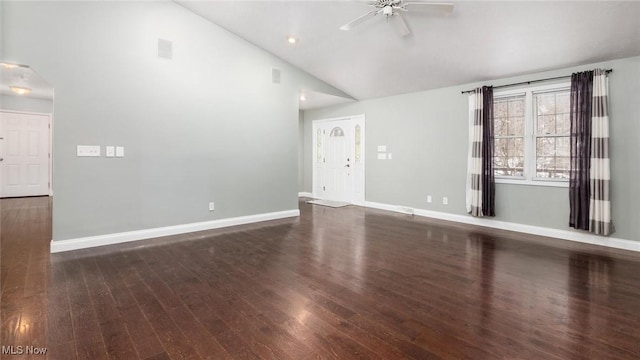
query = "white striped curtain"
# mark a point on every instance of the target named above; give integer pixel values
(474, 159)
(480, 179)
(600, 173)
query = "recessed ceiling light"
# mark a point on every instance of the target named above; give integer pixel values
(20, 90)
(302, 97)
(8, 66)
(292, 40)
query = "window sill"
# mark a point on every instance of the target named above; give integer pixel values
(564, 184)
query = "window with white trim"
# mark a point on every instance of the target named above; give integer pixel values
(531, 135)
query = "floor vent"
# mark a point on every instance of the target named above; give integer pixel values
(405, 210)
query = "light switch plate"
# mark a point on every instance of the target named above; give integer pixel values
(88, 150)
(110, 151)
(382, 148)
(119, 151)
(382, 156)
(389, 156)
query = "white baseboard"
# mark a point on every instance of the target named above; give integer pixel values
(117, 238)
(503, 225)
(305, 194)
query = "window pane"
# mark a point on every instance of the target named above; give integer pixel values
(499, 164)
(563, 102)
(508, 157)
(545, 146)
(509, 116)
(336, 132)
(499, 126)
(562, 167)
(562, 146)
(516, 147)
(319, 146)
(552, 157)
(500, 109)
(563, 124)
(500, 148)
(516, 126)
(545, 166)
(552, 113)
(515, 165)
(516, 106)
(546, 104)
(546, 124)
(508, 166)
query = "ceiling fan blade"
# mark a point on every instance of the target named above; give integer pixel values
(401, 25)
(357, 21)
(446, 7)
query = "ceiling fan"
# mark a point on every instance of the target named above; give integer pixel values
(392, 8)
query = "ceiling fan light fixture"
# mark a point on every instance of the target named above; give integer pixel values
(388, 8)
(292, 40)
(20, 90)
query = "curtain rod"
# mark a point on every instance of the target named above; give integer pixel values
(531, 82)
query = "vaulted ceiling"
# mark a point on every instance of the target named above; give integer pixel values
(477, 41)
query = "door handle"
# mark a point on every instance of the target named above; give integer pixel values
(347, 165)
(1, 159)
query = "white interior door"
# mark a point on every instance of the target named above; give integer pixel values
(24, 154)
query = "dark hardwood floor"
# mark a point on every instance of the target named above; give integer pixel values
(335, 283)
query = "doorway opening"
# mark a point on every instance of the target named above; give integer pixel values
(339, 159)
(26, 115)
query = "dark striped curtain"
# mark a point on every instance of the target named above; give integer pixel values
(590, 175)
(480, 178)
(488, 179)
(580, 149)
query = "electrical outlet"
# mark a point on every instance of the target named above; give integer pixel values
(429, 199)
(212, 206)
(445, 201)
(110, 151)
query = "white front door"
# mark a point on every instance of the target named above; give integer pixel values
(24, 154)
(338, 158)
(339, 179)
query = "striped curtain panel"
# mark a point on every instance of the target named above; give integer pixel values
(589, 176)
(600, 173)
(480, 194)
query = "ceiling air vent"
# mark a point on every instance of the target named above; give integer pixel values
(165, 49)
(275, 76)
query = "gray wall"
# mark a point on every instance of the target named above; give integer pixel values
(427, 134)
(208, 125)
(24, 103)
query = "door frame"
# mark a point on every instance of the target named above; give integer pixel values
(351, 121)
(50, 116)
